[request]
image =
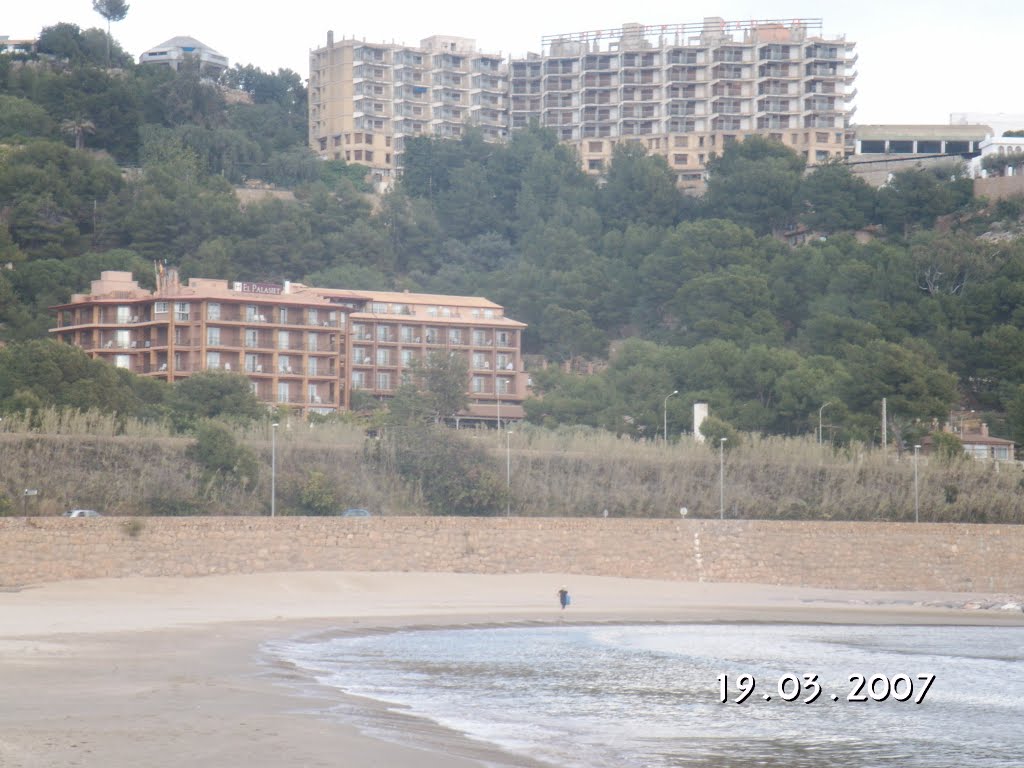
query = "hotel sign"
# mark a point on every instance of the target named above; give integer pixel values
(267, 289)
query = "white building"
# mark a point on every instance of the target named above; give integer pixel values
(172, 53)
(999, 146)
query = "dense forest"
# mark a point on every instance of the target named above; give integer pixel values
(913, 292)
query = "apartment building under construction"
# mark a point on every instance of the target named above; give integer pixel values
(367, 99)
(304, 348)
(683, 91)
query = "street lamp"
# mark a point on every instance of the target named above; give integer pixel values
(664, 414)
(508, 474)
(273, 469)
(721, 478)
(826, 405)
(497, 395)
(917, 505)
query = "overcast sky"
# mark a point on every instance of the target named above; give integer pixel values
(919, 62)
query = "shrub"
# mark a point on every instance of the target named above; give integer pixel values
(453, 476)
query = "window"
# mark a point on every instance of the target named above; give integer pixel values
(123, 339)
(680, 159)
(213, 311)
(213, 337)
(407, 333)
(124, 315)
(313, 317)
(504, 338)
(362, 355)
(455, 336)
(358, 380)
(283, 392)
(252, 337)
(181, 311)
(408, 356)
(481, 338)
(479, 384)
(384, 356)
(252, 364)
(379, 308)
(212, 360)
(313, 342)
(283, 340)
(481, 361)
(384, 381)
(431, 335)
(312, 367)
(681, 141)
(284, 364)
(385, 333)
(122, 361)
(282, 314)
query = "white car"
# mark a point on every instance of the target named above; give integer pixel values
(82, 513)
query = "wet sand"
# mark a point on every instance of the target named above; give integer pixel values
(168, 672)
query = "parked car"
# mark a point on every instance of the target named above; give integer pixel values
(82, 513)
(356, 512)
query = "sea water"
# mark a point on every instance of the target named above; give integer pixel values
(650, 695)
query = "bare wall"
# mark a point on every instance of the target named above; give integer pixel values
(883, 556)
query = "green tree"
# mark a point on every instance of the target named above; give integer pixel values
(454, 476)
(639, 189)
(213, 395)
(831, 199)
(221, 457)
(434, 390)
(111, 10)
(20, 117)
(42, 373)
(754, 183)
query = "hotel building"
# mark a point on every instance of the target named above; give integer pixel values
(304, 348)
(684, 91)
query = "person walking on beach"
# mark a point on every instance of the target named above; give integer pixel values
(563, 597)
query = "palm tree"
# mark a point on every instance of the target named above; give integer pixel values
(111, 10)
(78, 128)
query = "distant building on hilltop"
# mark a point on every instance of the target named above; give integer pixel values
(305, 348)
(172, 53)
(684, 91)
(13, 46)
(367, 99)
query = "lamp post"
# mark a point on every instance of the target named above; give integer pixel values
(917, 505)
(508, 474)
(721, 478)
(664, 414)
(273, 469)
(497, 401)
(826, 405)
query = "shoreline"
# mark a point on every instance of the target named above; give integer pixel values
(171, 671)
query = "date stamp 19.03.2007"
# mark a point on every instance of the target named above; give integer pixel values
(807, 689)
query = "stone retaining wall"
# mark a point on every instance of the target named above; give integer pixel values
(881, 556)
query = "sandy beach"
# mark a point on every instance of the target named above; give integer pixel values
(168, 671)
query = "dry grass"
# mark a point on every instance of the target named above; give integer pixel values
(89, 460)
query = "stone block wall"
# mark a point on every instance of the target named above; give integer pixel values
(877, 556)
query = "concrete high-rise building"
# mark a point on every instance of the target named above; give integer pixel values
(683, 91)
(686, 91)
(366, 99)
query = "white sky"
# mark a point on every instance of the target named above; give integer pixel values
(919, 62)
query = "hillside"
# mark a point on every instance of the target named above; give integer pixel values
(704, 297)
